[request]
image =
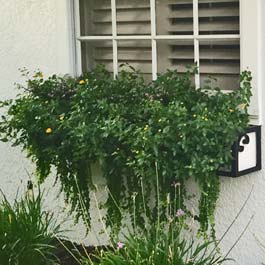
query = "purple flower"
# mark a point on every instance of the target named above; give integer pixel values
(180, 213)
(120, 245)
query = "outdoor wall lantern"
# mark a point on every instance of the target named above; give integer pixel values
(246, 152)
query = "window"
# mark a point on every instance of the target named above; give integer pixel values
(155, 35)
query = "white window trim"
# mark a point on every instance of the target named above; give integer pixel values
(250, 44)
(252, 52)
(76, 35)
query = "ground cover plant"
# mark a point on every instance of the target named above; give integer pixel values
(27, 232)
(128, 126)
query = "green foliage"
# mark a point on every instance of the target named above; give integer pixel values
(162, 245)
(26, 232)
(127, 126)
(167, 242)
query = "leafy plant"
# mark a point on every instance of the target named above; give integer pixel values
(167, 242)
(27, 232)
(162, 245)
(127, 126)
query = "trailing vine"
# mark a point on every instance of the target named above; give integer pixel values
(128, 126)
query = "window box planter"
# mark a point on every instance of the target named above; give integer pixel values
(246, 152)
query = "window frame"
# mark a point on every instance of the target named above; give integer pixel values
(250, 38)
(251, 51)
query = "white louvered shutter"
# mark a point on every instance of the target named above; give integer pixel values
(218, 57)
(133, 18)
(95, 20)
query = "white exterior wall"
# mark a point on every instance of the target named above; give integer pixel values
(37, 34)
(33, 34)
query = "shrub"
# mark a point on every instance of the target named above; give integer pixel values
(127, 126)
(26, 232)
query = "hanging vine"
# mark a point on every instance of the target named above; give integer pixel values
(128, 126)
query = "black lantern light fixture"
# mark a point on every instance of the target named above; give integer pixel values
(246, 152)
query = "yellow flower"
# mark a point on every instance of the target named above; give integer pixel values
(38, 75)
(146, 127)
(48, 131)
(81, 82)
(242, 106)
(231, 110)
(61, 118)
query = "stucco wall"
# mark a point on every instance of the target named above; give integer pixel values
(37, 34)
(29, 37)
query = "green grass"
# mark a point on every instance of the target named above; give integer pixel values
(27, 232)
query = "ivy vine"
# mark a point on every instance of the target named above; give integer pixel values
(128, 126)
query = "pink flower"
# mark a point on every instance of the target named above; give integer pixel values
(120, 245)
(180, 213)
